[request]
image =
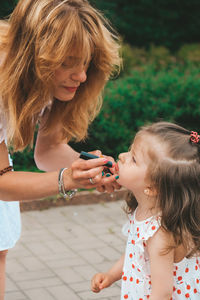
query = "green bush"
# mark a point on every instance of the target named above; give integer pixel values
(144, 22)
(165, 22)
(154, 85)
(7, 7)
(189, 53)
(132, 57)
(145, 96)
(159, 57)
(24, 161)
(137, 58)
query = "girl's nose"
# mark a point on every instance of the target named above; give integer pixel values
(122, 157)
(79, 76)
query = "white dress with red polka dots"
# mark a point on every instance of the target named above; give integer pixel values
(136, 278)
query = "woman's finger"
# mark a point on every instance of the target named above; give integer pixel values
(92, 173)
(109, 188)
(100, 188)
(116, 185)
(109, 179)
(96, 152)
(88, 164)
(110, 158)
(88, 174)
(110, 183)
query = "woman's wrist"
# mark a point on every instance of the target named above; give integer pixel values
(65, 186)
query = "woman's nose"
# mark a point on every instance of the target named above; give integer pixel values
(80, 76)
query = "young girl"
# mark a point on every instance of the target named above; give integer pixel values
(55, 59)
(162, 258)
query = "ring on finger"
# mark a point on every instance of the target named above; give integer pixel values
(91, 181)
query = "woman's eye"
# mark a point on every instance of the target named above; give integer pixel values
(65, 66)
(86, 66)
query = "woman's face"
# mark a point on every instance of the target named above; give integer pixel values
(68, 78)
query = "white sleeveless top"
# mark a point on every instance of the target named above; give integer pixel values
(136, 278)
(10, 223)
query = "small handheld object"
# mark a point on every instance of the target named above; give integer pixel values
(86, 156)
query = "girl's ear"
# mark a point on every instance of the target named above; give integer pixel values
(150, 191)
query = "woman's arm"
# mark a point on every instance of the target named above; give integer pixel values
(24, 185)
(30, 186)
(50, 153)
(161, 264)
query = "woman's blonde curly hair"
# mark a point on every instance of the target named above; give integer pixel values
(34, 42)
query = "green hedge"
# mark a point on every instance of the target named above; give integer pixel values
(24, 161)
(165, 22)
(159, 57)
(7, 7)
(154, 85)
(146, 95)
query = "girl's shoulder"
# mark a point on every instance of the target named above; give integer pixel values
(142, 230)
(148, 227)
(161, 242)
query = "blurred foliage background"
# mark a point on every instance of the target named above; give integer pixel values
(160, 79)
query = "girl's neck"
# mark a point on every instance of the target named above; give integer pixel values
(146, 208)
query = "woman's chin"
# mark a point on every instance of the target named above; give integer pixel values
(64, 98)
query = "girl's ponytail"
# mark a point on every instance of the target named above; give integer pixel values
(194, 137)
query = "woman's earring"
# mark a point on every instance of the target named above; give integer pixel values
(146, 192)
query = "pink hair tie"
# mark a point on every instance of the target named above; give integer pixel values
(194, 137)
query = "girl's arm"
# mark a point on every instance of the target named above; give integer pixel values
(161, 264)
(103, 280)
(117, 269)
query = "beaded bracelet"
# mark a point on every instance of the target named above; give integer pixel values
(5, 170)
(61, 187)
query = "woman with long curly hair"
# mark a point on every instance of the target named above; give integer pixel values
(55, 59)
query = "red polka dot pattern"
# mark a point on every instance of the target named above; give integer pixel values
(136, 279)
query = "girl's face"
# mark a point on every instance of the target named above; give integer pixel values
(132, 167)
(68, 79)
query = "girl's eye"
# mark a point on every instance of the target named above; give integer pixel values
(133, 158)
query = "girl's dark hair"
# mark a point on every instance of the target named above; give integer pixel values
(176, 178)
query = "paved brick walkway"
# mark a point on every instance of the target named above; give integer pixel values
(61, 248)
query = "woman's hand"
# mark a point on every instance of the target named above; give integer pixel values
(101, 281)
(108, 183)
(91, 173)
(85, 174)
